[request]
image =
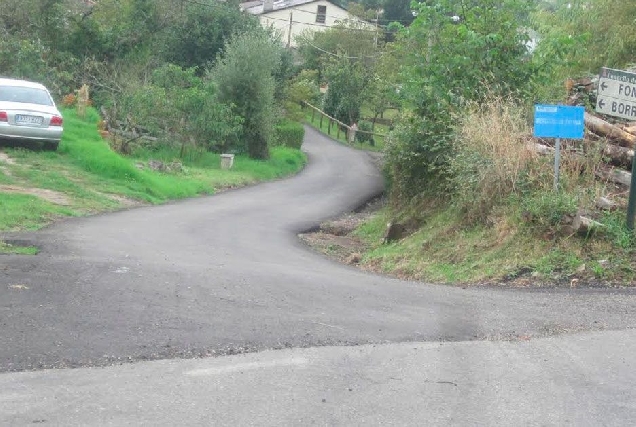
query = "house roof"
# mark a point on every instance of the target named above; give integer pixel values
(256, 7)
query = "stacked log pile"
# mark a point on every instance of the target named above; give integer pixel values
(615, 139)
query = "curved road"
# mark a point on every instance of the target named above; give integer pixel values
(328, 344)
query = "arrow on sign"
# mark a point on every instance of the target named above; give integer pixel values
(601, 103)
(603, 87)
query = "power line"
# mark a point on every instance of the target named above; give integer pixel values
(337, 55)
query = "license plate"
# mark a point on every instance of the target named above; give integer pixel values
(22, 119)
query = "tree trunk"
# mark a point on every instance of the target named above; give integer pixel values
(616, 176)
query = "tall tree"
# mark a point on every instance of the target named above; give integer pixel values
(595, 33)
(245, 77)
(399, 11)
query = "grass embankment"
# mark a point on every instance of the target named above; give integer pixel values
(84, 176)
(503, 222)
(444, 250)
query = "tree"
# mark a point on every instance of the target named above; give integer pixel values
(454, 52)
(348, 81)
(589, 42)
(344, 57)
(245, 78)
(196, 40)
(349, 38)
(398, 10)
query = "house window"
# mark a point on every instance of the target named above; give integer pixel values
(321, 16)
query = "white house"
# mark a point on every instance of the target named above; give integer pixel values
(293, 17)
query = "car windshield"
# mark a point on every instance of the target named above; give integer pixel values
(29, 95)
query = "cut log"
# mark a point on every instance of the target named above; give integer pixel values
(617, 176)
(539, 148)
(619, 156)
(610, 131)
(630, 128)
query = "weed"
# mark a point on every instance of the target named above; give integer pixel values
(616, 229)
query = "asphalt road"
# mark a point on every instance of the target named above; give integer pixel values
(223, 275)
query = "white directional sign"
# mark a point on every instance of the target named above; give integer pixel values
(616, 95)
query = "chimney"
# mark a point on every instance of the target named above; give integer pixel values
(268, 5)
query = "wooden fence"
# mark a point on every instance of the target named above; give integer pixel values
(340, 126)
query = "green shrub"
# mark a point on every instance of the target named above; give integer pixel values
(289, 134)
(363, 136)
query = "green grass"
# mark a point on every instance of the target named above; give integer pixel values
(24, 212)
(87, 173)
(444, 250)
(324, 128)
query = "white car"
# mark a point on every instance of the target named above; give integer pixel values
(28, 115)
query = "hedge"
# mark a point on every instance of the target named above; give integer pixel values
(289, 134)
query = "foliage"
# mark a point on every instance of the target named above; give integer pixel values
(289, 134)
(446, 63)
(178, 102)
(196, 39)
(347, 82)
(350, 39)
(245, 78)
(417, 154)
(301, 88)
(344, 57)
(585, 41)
(365, 135)
(398, 11)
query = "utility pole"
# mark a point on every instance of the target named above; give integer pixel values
(289, 33)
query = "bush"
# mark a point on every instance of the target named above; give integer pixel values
(363, 136)
(183, 105)
(289, 134)
(417, 153)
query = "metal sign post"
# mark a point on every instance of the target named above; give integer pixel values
(558, 121)
(557, 163)
(617, 97)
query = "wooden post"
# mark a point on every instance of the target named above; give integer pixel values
(313, 112)
(329, 127)
(321, 120)
(338, 134)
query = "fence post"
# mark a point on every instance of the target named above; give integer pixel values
(321, 115)
(313, 112)
(338, 134)
(329, 127)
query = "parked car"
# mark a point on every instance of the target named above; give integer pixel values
(28, 116)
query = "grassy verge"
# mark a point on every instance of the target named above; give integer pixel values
(85, 176)
(324, 128)
(443, 250)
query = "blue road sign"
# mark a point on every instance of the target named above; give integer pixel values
(559, 121)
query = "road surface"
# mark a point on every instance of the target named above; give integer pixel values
(210, 311)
